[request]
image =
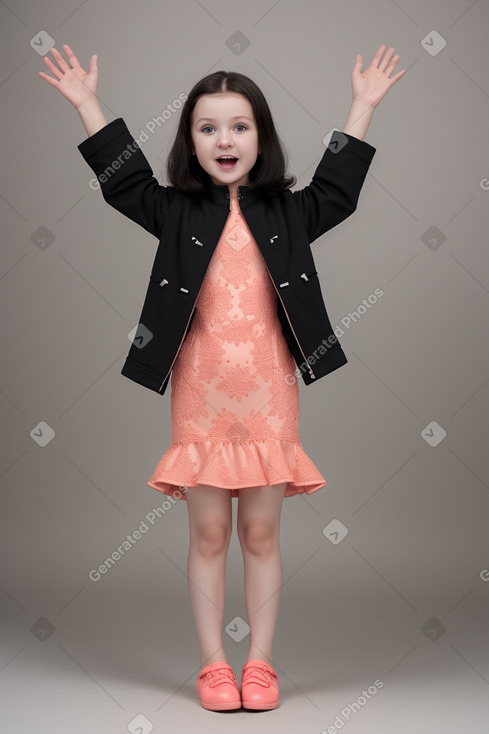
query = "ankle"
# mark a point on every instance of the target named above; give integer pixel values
(258, 655)
(218, 656)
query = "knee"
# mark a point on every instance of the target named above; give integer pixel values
(258, 537)
(212, 539)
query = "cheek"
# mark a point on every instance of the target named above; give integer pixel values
(253, 148)
(203, 147)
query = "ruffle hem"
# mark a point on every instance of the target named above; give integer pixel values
(235, 465)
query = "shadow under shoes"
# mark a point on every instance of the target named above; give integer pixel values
(218, 688)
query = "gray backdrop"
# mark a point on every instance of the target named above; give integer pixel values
(394, 604)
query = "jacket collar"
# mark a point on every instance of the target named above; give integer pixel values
(219, 194)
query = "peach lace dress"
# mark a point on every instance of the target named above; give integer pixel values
(234, 415)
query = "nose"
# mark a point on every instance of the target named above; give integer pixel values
(223, 140)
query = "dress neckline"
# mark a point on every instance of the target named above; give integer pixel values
(234, 203)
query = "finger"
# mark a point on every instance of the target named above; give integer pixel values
(93, 63)
(64, 66)
(377, 56)
(49, 79)
(390, 68)
(385, 61)
(358, 64)
(73, 60)
(52, 67)
(397, 76)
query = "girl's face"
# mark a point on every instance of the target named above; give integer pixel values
(224, 124)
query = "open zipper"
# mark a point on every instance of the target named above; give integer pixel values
(183, 337)
(290, 323)
(281, 300)
(184, 333)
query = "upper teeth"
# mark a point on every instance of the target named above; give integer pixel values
(227, 156)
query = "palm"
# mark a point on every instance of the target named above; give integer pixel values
(373, 84)
(74, 83)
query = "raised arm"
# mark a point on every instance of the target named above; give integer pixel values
(77, 86)
(125, 176)
(369, 88)
(333, 193)
(123, 172)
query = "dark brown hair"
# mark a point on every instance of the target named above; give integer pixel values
(184, 171)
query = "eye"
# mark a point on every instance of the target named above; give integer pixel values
(239, 124)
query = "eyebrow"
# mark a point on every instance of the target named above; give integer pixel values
(236, 117)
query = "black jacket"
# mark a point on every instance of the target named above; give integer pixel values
(188, 228)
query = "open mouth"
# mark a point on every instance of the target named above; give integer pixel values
(227, 163)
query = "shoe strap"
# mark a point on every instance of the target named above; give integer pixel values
(219, 675)
(260, 674)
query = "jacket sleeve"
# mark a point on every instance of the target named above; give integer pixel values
(125, 176)
(333, 192)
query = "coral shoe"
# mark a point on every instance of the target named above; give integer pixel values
(259, 686)
(218, 688)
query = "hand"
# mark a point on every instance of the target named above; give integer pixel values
(74, 83)
(373, 84)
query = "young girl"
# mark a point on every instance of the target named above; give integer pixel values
(227, 313)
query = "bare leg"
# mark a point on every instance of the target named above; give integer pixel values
(258, 526)
(210, 525)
